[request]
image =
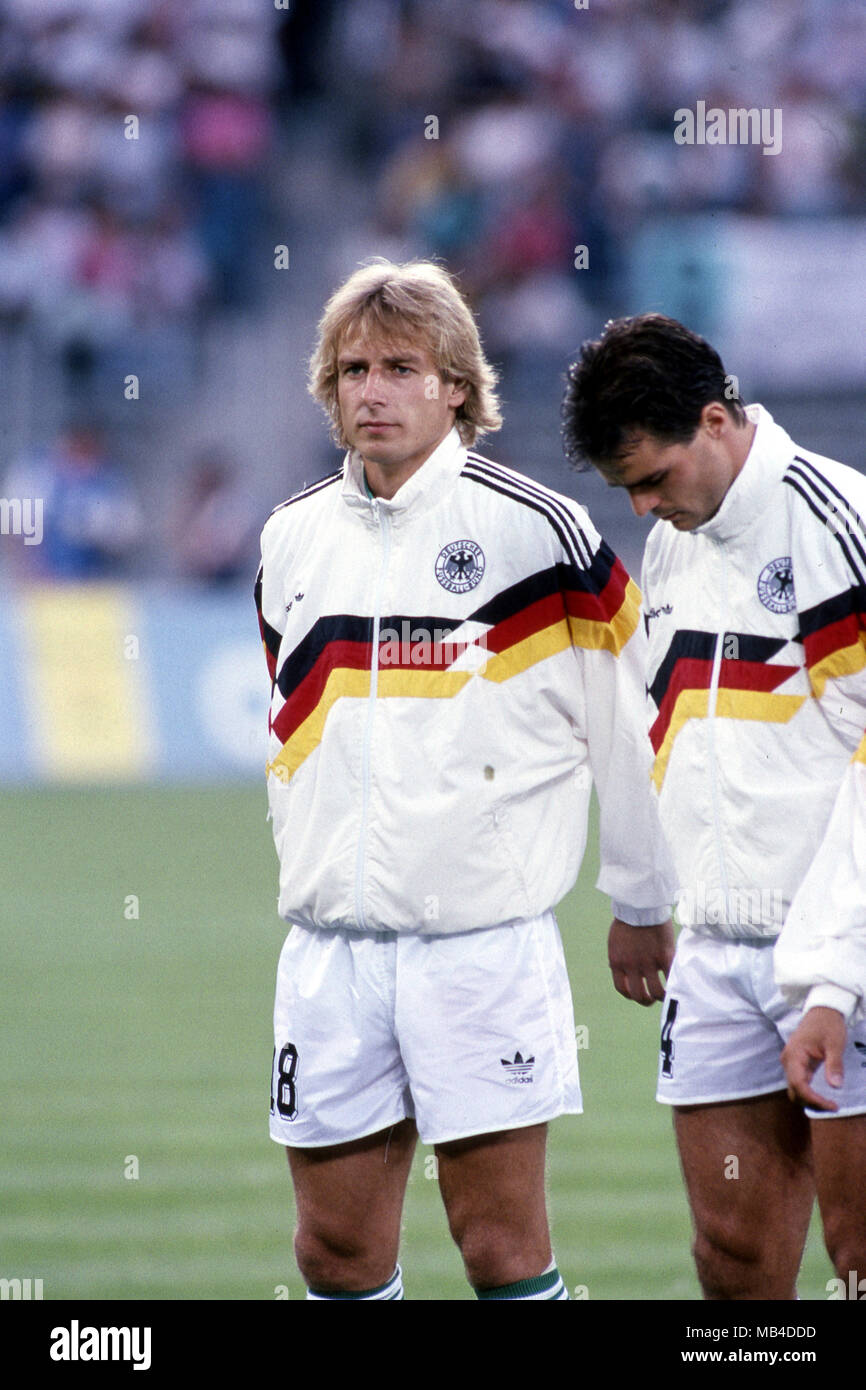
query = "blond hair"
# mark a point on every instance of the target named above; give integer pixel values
(416, 301)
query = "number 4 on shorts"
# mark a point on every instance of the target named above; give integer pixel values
(667, 1044)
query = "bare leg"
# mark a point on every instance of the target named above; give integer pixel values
(350, 1201)
(748, 1176)
(493, 1190)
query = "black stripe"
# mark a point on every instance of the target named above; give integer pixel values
(807, 463)
(558, 579)
(309, 490)
(351, 627)
(833, 610)
(522, 489)
(841, 520)
(565, 541)
(525, 487)
(697, 645)
(824, 518)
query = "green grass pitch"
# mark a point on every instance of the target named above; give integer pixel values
(142, 1043)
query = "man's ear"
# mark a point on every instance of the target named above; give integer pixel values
(714, 417)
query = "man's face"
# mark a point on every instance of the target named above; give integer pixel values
(394, 406)
(684, 484)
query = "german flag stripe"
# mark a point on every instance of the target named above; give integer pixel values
(339, 656)
(355, 684)
(696, 675)
(834, 637)
(338, 649)
(730, 704)
(693, 645)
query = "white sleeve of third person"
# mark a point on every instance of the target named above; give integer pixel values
(636, 867)
(820, 956)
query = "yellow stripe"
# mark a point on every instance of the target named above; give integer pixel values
(730, 704)
(501, 666)
(434, 685)
(89, 712)
(690, 704)
(860, 751)
(341, 682)
(845, 662)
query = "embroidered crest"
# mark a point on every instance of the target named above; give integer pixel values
(776, 586)
(460, 566)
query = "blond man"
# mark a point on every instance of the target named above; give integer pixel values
(455, 656)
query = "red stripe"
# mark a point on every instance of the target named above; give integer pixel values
(355, 656)
(690, 673)
(693, 674)
(833, 638)
(603, 606)
(545, 612)
(535, 617)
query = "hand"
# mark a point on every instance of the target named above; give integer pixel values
(820, 1036)
(638, 957)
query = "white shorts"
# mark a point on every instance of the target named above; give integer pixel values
(469, 1034)
(725, 1023)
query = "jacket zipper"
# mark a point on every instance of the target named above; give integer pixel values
(384, 523)
(711, 726)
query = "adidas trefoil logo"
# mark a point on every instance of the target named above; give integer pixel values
(519, 1072)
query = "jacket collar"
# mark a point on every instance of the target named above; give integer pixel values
(749, 495)
(420, 492)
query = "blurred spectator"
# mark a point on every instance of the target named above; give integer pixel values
(91, 521)
(215, 532)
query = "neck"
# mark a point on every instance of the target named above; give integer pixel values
(385, 481)
(741, 447)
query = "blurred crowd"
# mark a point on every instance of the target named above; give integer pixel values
(527, 143)
(555, 131)
(133, 136)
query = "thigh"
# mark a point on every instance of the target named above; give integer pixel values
(748, 1175)
(839, 1155)
(493, 1189)
(349, 1201)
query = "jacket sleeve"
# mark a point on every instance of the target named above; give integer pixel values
(270, 609)
(820, 957)
(607, 634)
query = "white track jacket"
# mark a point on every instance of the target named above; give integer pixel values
(452, 669)
(757, 688)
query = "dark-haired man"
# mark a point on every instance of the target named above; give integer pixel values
(755, 608)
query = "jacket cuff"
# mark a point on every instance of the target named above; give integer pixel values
(641, 916)
(832, 997)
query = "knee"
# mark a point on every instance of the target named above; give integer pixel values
(845, 1239)
(496, 1253)
(730, 1263)
(340, 1261)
